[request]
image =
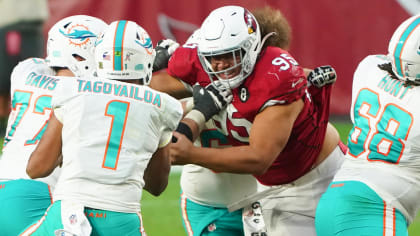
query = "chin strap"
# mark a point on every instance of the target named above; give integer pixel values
(264, 39)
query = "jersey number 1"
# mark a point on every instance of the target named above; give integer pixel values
(118, 111)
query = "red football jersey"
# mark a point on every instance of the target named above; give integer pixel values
(277, 79)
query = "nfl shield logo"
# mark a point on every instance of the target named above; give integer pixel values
(73, 219)
(211, 227)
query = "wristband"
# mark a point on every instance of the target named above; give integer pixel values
(185, 130)
(198, 118)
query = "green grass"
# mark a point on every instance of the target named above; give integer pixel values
(161, 215)
(343, 129)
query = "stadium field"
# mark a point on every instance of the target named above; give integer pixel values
(162, 217)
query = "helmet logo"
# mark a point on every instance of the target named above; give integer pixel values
(78, 35)
(128, 56)
(146, 42)
(250, 22)
(106, 56)
(99, 39)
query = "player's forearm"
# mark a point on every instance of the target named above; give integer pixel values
(241, 159)
(163, 82)
(47, 155)
(157, 172)
(37, 168)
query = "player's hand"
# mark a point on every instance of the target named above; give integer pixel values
(179, 151)
(322, 75)
(212, 99)
(164, 50)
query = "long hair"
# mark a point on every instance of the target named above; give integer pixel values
(272, 20)
(388, 68)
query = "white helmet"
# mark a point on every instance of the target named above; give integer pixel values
(125, 52)
(74, 37)
(193, 40)
(404, 50)
(230, 29)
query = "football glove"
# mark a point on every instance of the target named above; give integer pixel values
(322, 75)
(211, 99)
(164, 50)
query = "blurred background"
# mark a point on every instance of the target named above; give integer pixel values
(336, 32)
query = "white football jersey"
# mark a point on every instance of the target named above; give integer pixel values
(110, 131)
(206, 187)
(384, 143)
(32, 86)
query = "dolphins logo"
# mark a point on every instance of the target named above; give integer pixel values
(78, 35)
(146, 42)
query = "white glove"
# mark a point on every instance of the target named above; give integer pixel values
(169, 44)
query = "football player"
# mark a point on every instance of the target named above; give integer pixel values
(377, 189)
(291, 149)
(113, 134)
(69, 52)
(205, 193)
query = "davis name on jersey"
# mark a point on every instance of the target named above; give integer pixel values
(41, 81)
(276, 79)
(383, 143)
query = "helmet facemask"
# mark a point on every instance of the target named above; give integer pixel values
(235, 57)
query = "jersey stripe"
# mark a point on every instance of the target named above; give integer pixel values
(389, 220)
(187, 223)
(142, 231)
(32, 228)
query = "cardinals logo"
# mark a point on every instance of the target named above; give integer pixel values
(250, 22)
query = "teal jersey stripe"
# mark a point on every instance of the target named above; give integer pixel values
(401, 43)
(118, 45)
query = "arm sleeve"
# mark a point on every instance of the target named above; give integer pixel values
(172, 115)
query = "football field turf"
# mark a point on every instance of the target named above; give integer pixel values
(161, 215)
